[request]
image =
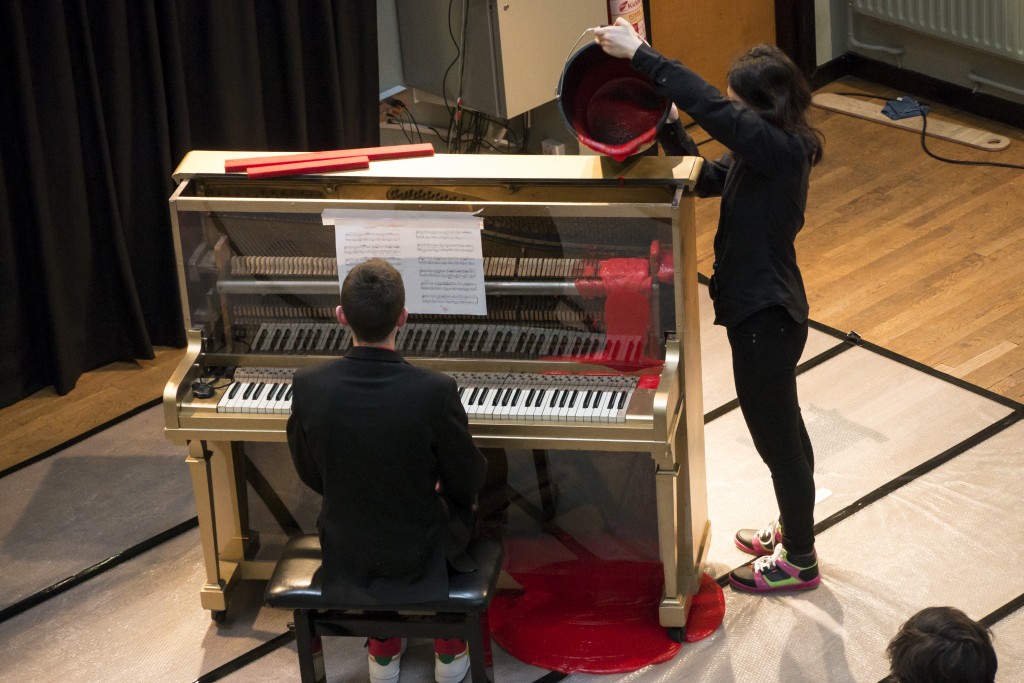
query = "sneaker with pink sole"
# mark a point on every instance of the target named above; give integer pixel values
(777, 573)
(760, 541)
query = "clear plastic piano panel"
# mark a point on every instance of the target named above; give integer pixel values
(562, 283)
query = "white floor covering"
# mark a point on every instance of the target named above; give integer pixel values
(952, 536)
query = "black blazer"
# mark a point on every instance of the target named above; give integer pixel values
(374, 435)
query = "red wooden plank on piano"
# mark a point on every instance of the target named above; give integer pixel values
(372, 153)
(345, 164)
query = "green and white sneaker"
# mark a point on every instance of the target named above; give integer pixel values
(776, 573)
(385, 659)
(451, 660)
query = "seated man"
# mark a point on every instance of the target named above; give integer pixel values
(387, 445)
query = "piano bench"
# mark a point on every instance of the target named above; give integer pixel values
(295, 585)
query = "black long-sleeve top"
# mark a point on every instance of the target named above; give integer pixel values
(763, 183)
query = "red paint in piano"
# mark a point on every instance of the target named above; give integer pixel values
(372, 153)
(589, 614)
(625, 284)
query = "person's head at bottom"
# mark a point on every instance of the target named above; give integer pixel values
(373, 303)
(942, 645)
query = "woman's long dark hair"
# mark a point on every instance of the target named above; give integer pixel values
(772, 85)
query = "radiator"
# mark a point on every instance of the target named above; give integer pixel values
(995, 26)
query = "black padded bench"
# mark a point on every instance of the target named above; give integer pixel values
(295, 585)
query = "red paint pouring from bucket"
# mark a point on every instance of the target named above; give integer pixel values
(608, 106)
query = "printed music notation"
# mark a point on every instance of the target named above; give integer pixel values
(439, 255)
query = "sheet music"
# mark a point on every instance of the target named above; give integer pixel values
(439, 254)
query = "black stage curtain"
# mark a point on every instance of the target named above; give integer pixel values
(100, 101)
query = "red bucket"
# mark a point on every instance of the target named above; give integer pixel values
(609, 106)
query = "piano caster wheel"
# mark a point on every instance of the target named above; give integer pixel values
(218, 615)
(677, 633)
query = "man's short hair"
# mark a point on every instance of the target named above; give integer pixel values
(942, 645)
(372, 297)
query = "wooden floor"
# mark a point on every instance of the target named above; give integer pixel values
(921, 257)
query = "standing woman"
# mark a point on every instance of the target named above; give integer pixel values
(756, 286)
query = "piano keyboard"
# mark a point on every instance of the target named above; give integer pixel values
(265, 391)
(484, 395)
(443, 340)
(545, 398)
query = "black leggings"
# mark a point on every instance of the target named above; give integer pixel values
(766, 347)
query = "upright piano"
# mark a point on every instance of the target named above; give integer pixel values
(590, 342)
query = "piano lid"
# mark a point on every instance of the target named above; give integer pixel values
(681, 171)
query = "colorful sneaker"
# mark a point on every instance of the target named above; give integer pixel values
(385, 658)
(775, 573)
(761, 542)
(451, 660)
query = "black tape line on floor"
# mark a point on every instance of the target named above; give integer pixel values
(246, 658)
(932, 372)
(916, 472)
(905, 478)
(813, 362)
(1002, 612)
(81, 437)
(551, 677)
(81, 577)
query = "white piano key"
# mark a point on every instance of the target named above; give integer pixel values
(266, 397)
(623, 406)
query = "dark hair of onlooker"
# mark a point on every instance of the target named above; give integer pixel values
(942, 645)
(372, 297)
(773, 86)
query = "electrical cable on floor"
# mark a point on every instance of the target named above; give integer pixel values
(924, 130)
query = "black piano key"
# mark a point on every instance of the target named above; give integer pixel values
(529, 398)
(234, 389)
(259, 390)
(248, 391)
(575, 395)
(540, 398)
(497, 397)
(565, 397)
(281, 391)
(472, 395)
(554, 398)
(288, 396)
(586, 399)
(483, 395)
(622, 400)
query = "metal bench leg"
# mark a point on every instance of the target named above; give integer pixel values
(477, 658)
(310, 648)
